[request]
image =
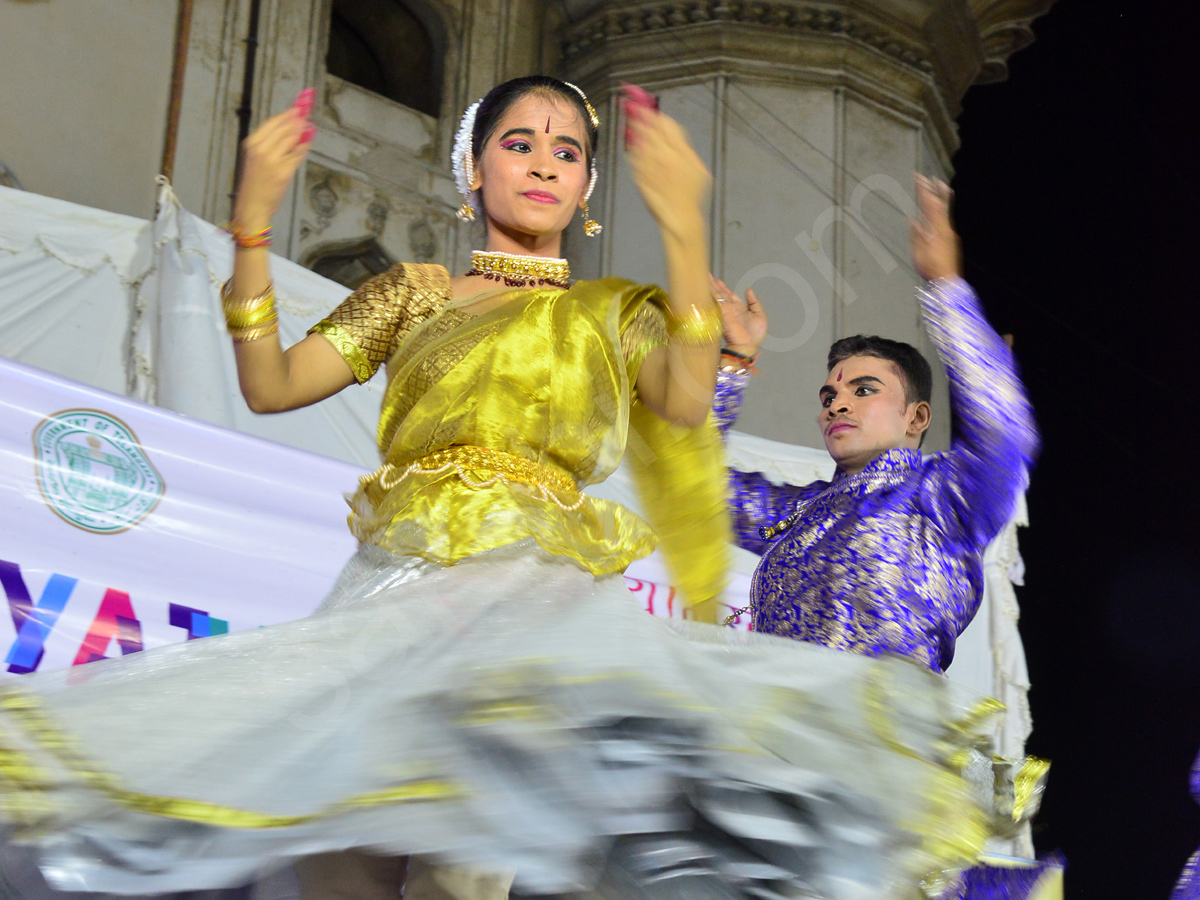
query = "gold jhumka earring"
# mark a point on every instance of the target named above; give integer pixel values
(590, 226)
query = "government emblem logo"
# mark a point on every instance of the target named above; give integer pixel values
(92, 471)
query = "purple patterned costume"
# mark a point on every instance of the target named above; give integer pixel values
(889, 560)
(1188, 886)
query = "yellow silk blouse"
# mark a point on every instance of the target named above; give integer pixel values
(491, 424)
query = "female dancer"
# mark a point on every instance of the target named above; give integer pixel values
(479, 685)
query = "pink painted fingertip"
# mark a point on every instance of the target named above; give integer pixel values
(639, 96)
(304, 101)
(308, 134)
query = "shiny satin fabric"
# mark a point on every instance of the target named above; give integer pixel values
(545, 375)
(889, 559)
(1000, 878)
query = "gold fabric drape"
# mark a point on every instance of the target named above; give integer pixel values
(545, 377)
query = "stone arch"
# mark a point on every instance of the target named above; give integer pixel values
(349, 263)
(394, 48)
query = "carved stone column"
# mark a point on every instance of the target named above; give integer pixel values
(378, 179)
(812, 119)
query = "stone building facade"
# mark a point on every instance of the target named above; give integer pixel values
(811, 115)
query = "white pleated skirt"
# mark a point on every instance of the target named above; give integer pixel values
(511, 712)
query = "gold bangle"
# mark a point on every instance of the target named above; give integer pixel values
(245, 335)
(248, 318)
(256, 322)
(228, 301)
(699, 328)
(247, 312)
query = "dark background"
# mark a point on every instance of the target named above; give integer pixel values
(1076, 199)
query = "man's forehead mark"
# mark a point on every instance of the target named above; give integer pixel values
(840, 371)
(547, 124)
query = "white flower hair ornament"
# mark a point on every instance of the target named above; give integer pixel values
(462, 159)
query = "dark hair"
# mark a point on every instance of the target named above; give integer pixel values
(913, 367)
(501, 98)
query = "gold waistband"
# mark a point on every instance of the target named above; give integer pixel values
(505, 467)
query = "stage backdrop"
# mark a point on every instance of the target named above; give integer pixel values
(114, 510)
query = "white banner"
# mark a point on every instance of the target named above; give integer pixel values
(127, 526)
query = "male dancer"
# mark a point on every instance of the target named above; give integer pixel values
(887, 557)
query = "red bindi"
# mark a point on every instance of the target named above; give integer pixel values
(839, 378)
(547, 125)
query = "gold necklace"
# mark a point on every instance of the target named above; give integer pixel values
(520, 271)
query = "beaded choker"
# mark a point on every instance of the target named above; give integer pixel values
(520, 271)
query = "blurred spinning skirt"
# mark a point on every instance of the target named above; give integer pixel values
(511, 712)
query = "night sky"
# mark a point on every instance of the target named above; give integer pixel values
(1076, 201)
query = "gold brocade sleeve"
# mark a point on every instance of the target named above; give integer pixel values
(646, 329)
(368, 325)
(679, 473)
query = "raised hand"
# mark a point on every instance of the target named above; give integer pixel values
(270, 158)
(745, 320)
(672, 179)
(936, 250)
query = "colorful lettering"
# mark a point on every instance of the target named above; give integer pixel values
(196, 622)
(652, 601)
(114, 619)
(32, 622)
